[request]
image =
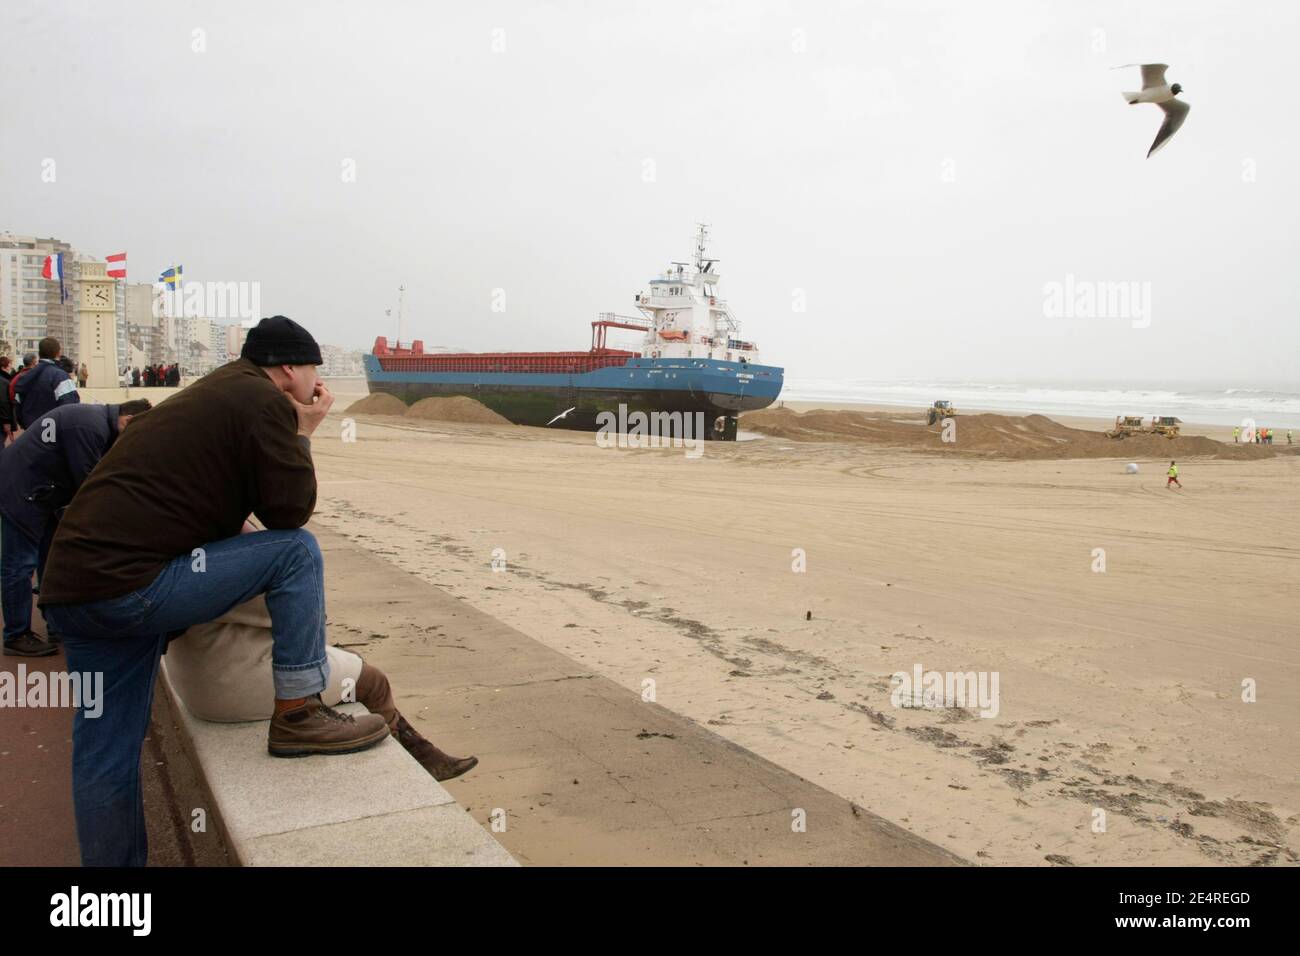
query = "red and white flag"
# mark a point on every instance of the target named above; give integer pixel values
(117, 266)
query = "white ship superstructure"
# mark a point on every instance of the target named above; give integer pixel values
(687, 317)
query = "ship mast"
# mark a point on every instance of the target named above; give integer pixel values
(704, 265)
(400, 290)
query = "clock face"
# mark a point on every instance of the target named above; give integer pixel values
(96, 297)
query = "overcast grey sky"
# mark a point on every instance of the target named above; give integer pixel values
(920, 170)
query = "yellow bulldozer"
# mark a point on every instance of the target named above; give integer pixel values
(1166, 425)
(1126, 425)
(939, 411)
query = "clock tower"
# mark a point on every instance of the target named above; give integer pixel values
(97, 321)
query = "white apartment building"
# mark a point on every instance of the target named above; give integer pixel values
(217, 338)
(341, 362)
(30, 307)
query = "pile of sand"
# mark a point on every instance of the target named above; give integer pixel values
(380, 403)
(988, 435)
(455, 408)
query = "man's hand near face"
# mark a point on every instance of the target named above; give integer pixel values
(310, 416)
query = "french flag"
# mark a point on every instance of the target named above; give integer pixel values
(53, 267)
(117, 265)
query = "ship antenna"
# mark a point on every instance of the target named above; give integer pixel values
(701, 237)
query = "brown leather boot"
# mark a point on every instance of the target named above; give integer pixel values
(374, 693)
(440, 765)
(313, 728)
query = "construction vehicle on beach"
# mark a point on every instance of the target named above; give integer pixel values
(939, 411)
(1126, 425)
(1166, 425)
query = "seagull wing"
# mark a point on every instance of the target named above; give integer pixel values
(1153, 75)
(1175, 112)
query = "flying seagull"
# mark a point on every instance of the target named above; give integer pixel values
(561, 415)
(1156, 90)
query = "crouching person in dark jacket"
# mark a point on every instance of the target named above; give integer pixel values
(236, 442)
(39, 474)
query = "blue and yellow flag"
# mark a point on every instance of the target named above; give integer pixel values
(172, 275)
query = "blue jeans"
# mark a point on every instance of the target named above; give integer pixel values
(20, 557)
(123, 638)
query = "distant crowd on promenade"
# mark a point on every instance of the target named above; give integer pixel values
(47, 379)
(152, 375)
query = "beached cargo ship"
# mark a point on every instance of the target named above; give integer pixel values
(692, 360)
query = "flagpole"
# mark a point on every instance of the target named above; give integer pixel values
(401, 292)
(127, 338)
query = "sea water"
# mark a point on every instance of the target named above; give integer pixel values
(1202, 404)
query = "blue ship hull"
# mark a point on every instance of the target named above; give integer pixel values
(716, 389)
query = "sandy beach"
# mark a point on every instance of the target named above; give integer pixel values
(1217, 432)
(1121, 734)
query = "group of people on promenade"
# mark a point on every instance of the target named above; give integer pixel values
(218, 562)
(75, 376)
(152, 375)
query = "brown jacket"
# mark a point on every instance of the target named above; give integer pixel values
(186, 474)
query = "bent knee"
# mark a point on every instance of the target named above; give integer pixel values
(308, 540)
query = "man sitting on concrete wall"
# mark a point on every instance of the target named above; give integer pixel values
(143, 553)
